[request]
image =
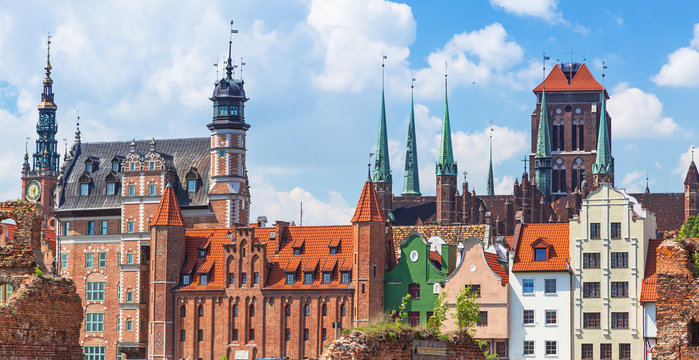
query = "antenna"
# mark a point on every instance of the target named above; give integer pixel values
(369, 165)
(525, 160)
(216, 66)
(301, 216)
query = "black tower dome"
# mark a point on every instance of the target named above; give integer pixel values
(229, 101)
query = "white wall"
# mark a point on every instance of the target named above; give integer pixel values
(539, 332)
(649, 328)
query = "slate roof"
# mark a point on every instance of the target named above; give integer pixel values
(181, 154)
(648, 287)
(409, 215)
(692, 176)
(667, 207)
(554, 234)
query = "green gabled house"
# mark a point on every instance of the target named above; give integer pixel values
(421, 273)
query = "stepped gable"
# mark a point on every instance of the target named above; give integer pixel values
(368, 207)
(181, 155)
(493, 261)
(648, 287)
(667, 207)
(168, 211)
(556, 235)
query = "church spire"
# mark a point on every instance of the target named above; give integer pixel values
(46, 155)
(603, 164)
(542, 158)
(411, 183)
(382, 167)
(490, 189)
(445, 164)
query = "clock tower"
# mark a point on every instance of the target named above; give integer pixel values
(39, 180)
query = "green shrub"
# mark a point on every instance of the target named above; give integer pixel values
(434, 324)
(467, 312)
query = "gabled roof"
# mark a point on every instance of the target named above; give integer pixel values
(168, 212)
(648, 287)
(582, 81)
(368, 207)
(554, 234)
(692, 174)
(495, 265)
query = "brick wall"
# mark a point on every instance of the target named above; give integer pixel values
(678, 293)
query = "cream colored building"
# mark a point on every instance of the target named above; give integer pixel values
(608, 244)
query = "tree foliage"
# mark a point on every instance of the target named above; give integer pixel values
(435, 322)
(467, 312)
(400, 316)
(690, 228)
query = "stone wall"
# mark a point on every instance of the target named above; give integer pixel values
(678, 300)
(389, 345)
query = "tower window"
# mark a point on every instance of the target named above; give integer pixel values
(132, 166)
(233, 110)
(88, 167)
(132, 190)
(115, 166)
(151, 189)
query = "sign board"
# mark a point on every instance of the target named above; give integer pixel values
(429, 350)
(242, 355)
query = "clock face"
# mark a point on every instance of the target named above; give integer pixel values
(33, 191)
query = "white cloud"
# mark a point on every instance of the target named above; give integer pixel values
(683, 162)
(634, 182)
(544, 9)
(638, 114)
(682, 68)
(504, 185)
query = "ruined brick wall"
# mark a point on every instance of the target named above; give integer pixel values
(677, 302)
(397, 346)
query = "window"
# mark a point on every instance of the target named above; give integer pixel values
(290, 278)
(243, 278)
(192, 185)
(119, 258)
(132, 190)
(88, 260)
(201, 311)
(8, 290)
(151, 189)
(550, 286)
(287, 334)
(200, 335)
(414, 318)
(66, 228)
(252, 310)
(591, 321)
(324, 310)
(235, 310)
(305, 334)
(307, 310)
(308, 278)
(551, 347)
(528, 317)
(345, 277)
(129, 296)
(342, 310)
(183, 311)
(605, 351)
(255, 278)
(151, 165)
(414, 291)
(183, 335)
(587, 352)
(327, 277)
(591, 260)
(616, 230)
(620, 260)
(64, 261)
(482, 318)
(129, 258)
(186, 279)
(528, 286)
(130, 226)
(129, 325)
(88, 167)
(297, 251)
(323, 334)
(287, 310)
(551, 317)
(528, 347)
(103, 227)
(111, 188)
(594, 231)
(231, 279)
(620, 289)
(118, 323)
(203, 279)
(591, 289)
(84, 189)
(132, 166)
(94, 352)
(234, 110)
(624, 351)
(235, 334)
(695, 332)
(540, 254)
(90, 228)
(620, 320)
(251, 334)
(476, 289)
(94, 322)
(202, 253)
(115, 166)
(102, 260)
(333, 250)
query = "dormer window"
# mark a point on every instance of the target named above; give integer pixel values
(297, 251)
(203, 279)
(85, 185)
(115, 166)
(297, 245)
(88, 167)
(333, 250)
(540, 254)
(111, 181)
(186, 279)
(202, 252)
(191, 185)
(542, 250)
(192, 178)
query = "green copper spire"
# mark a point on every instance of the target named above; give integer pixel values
(603, 162)
(411, 183)
(490, 189)
(382, 168)
(542, 158)
(446, 165)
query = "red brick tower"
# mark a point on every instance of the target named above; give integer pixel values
(166, 259)
(691, 191)
(369, 243)
(229, 195)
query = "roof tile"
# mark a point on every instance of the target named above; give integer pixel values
(368, 208)
(494, 264)
(554, 234)
(168, 212)
(648, 287)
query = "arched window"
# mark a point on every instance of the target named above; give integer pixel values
(183, 311)
(324, 310)
(342, 310)
(576, 174)
(307, 310)
(85, 185)
(554, 137)
(581, 134)
(192, 178)
(111, 181)
(574, 129)
(558, 183)
(201, 311)
(252, 310)
(287, 310)
(235, 310)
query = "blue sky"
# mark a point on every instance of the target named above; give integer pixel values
(313, 75)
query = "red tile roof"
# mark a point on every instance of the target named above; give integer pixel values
(168, 211)
(196, 239)
(368, 208)
(648, 288)
(494, 264)
(554, 234)
(582, 81)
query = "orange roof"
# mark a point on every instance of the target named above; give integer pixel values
(195, 239)
(311, 265)
(168, 211)
(368, 208)
(648, 288)
(582, 81)
(292, 265)
(494, 264)
(329, 265)
(334, 242)
(555, 235)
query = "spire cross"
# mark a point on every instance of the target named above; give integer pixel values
(525, 160)
(465, 173)
(412, 80)
(229, 66)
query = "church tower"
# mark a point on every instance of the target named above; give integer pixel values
(490, 187)
(229, 192)
(381, 179)
(38, 182)
(691, 190)
(446, 171)
(603, 168)
(542, 158)
(411, 182)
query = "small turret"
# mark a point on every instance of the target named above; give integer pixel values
(542, 158)
(603, 168)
